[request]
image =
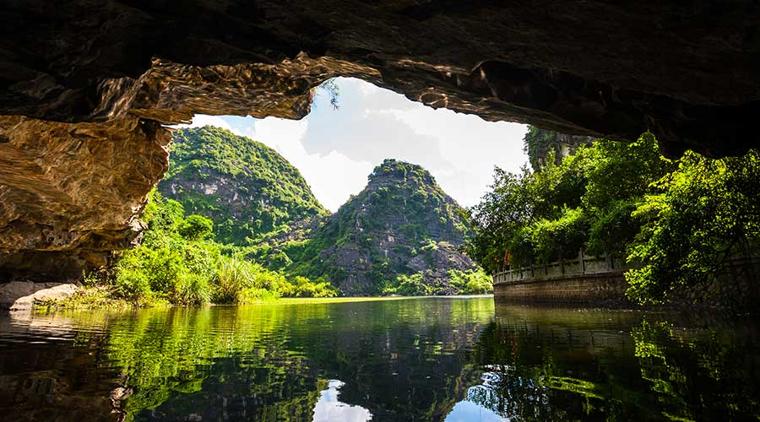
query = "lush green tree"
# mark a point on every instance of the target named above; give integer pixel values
(528, 217)
(409, 285)
(471, 282)
(613, 227)
(618, 176)
(678, 222)
(583, 201)
(553, 239)
(196, 227)
(504, 209)
(704, 214)
(617, 170)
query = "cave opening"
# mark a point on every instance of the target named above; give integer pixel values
(402, 173)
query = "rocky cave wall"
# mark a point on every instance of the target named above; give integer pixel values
(86, 85)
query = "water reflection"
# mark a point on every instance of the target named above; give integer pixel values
(481, 403)
(554, 364)
(419, 359)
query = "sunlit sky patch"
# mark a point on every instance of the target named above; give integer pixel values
(335, 150)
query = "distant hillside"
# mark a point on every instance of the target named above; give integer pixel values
(402, 223)
(245, 187)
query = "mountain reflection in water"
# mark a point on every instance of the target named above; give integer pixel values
(452, 359)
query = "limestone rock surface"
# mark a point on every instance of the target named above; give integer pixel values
(21, 295)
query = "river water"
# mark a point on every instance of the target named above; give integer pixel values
(421, 359)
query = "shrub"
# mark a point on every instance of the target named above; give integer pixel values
(191, 289)
(471, 282)
(177, 263)
(613, 228)
(409, 285)
(196, 227)
(255, 294)
(303, 287)
(132, 284)
(707, 212)
(563, 237)
(233, 276)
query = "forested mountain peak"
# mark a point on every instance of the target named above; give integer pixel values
(245, 187)
(401, 224)
(392, 171)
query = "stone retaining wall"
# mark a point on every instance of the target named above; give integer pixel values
(591, 289)
(736, 289)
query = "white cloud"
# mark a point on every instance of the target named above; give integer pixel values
(471, 147)
(333, 177)
(459, 150)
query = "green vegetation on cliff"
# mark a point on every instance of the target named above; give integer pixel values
(246, 188)
(401, 225)
(678, 223)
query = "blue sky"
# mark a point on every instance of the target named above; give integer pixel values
(336, 150)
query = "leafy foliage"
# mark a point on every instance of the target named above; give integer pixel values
(409, 285)
(582, 201)
(196, 227)
(471, 282)
(679, 223)
(460, 282)
(702, 215)
(178, 263)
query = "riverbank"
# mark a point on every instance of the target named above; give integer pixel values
(734, 292)
(23, 295)
(103, 298)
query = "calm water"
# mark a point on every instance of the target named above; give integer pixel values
(401, 360)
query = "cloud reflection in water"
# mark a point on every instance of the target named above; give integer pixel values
(330, 409)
